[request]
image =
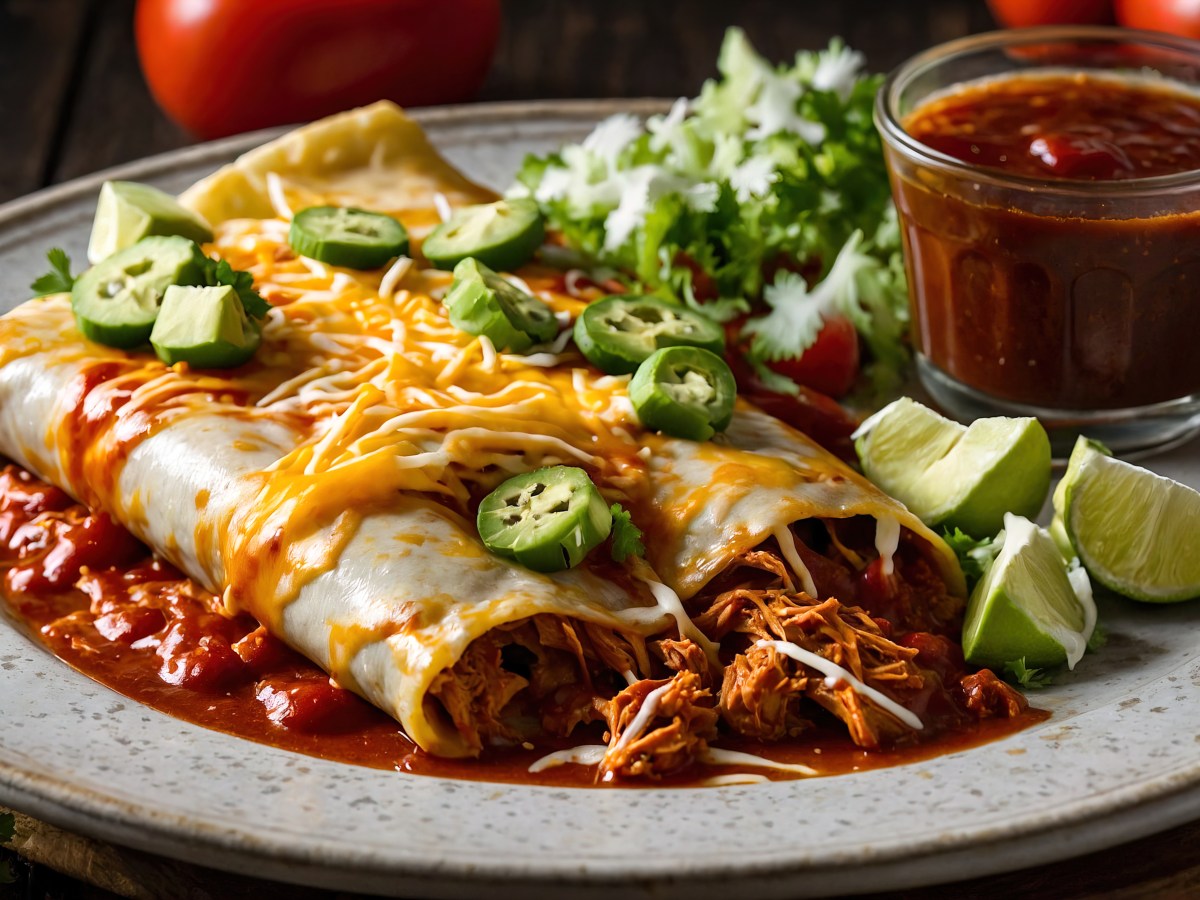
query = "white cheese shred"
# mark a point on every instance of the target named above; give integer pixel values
(393, 277)
(442, 205)
(278, 197)
(835, 674)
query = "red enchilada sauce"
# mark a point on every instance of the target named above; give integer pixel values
(101, 602)
(1051, 305)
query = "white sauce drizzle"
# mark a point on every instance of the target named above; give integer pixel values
(586, 755)
(643, 718)
(887, 539)
(787, 544)
(715, 756)
(835, 672)
(668, 602)
(736, 778)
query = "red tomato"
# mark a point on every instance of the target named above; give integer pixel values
(1026, 13)
(220, 67)
(1180, 17)
(831, 364)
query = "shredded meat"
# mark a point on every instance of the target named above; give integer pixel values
(685, 655)
(762, 689)
(761, 695)
(682, 723)
(546, 671)
(476, 689)
(987, 696)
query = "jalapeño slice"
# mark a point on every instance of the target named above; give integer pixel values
(502, 235)
(206, 327)
(116, 301)
(617, 333)
(482, 302)
(548, 519)
(686, 392)
(127, 212)
(344, 236)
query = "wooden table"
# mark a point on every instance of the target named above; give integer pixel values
(72, 101)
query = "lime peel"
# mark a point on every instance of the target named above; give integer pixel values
(1132, 528)
(1027, 605)
(955, 475)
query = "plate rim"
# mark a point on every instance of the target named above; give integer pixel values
(1096, 824)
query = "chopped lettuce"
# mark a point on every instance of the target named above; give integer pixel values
(770, 171)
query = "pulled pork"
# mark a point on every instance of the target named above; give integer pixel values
(657, 728)
(542, 675)
(763, 689)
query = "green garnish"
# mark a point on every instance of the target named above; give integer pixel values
(772, 170)
(59, 279)
(974, 556)
(218, 272)
(626, 537)
(1025, 676)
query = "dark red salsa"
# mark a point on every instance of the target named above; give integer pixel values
(1078, 126)
(1076, 297)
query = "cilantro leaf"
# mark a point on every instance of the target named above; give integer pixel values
(215, 273)
(626, 537)
(7, 827)
(974, 556)
(59, 279)
(1016, 671)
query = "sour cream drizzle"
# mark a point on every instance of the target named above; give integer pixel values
(887, 540)
(787, 544)
(835, 673)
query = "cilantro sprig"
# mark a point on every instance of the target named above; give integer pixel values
(626, 537)
(1025, 676)
(974, 556)
(215, 273)
(59, 279)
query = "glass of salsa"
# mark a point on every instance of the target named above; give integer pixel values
(1047, 183)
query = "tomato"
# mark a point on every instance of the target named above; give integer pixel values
(220, 67)
(831, 364)
(1025, 13)
(1180, 17)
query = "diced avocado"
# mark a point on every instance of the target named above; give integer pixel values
(206, 327)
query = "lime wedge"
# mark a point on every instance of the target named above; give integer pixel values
(127, 212)
(954, 475)
(1134, 531)
(1027, 605)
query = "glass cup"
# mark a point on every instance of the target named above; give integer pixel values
(1074, 301)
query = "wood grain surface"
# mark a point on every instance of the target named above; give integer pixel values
(72, 101)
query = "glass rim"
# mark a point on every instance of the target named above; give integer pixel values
(895, 135)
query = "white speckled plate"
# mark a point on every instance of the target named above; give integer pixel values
(1119, 759)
